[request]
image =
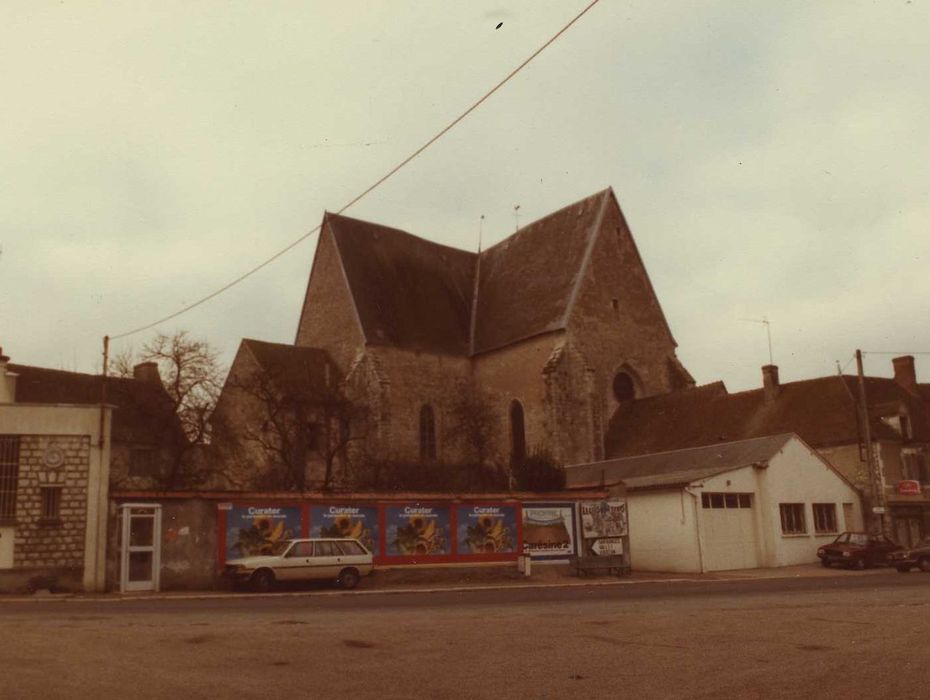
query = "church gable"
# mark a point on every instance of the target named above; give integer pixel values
(329, 319)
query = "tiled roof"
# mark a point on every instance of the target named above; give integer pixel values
(678, 467)
(410, 292)
(143, 414)
(526, 280)
(298, 367)
(821, 411)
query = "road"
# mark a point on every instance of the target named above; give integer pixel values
(848, 635)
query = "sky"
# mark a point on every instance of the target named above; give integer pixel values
(772, 161)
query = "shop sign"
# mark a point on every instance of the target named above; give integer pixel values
(549, 530)
(909, 487)
(607, 546)
(486, 529)
(345, 520)
(417, 530)
(603, 519)
(255, 530)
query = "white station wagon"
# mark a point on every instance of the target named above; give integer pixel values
(344, 561)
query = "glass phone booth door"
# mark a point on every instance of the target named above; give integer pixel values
(140, 546)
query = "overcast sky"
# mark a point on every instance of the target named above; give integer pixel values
(772, 159)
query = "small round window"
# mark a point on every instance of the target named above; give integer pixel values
(624, 390)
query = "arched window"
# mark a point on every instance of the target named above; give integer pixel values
(624, 388)
(517, 433)
(427, 433)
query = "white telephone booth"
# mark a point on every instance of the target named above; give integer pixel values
(140, 547)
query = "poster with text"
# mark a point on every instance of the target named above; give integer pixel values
(549, 530)
(486, 529)
(358, 522)
(255, 530)
(417, 530)
(603, 519)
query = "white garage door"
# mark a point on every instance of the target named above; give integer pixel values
(729, 531)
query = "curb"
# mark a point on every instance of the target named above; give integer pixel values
(212, 595)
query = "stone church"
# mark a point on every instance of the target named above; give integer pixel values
(555, 325)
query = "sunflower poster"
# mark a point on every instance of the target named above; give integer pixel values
(358, 522)
(254, 530)
(486, 529)
(416, 530)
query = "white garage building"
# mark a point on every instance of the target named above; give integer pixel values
(764, 502)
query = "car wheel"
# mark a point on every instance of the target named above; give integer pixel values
(903, 569)
(859, 564)
(825, 562)
(348, 579)
(924, 564)
(262, 581)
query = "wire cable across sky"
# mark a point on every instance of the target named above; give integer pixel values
(369, 189)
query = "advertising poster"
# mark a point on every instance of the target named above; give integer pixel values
(358, 522)
(486, 529)
(603, 519)
(549, 530)
(254, 530)
(417, 530)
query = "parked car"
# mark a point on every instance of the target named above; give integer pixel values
(918, 556)
(857, 550)
(344, 561)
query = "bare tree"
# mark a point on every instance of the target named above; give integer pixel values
(192, 376)
(475, 428)
(297, 418)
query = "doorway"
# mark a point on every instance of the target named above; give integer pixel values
(140, 547)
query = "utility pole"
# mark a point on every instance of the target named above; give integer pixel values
(103, 387)
(876, 483)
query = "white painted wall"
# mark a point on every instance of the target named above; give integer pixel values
(798, 475)
(663, 536)
(666, 526)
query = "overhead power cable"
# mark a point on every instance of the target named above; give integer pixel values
(369, 189)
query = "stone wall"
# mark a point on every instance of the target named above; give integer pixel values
(52, 551)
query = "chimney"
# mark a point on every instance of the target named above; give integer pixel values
(904, 372)
(146, 372)
(7, 380)
(770, 382)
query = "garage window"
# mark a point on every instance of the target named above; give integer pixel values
(792, 518)
(726, 500)
(824, 518)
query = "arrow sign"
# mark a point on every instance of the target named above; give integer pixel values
(607, 546)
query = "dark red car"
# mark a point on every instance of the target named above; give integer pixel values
(857, 550)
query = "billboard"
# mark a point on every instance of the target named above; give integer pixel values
(254, 530)
(486, 529)
(357, 522)
(603, 519)
(549, 530)
(417, 530)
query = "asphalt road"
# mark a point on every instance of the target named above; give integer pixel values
(848, 636)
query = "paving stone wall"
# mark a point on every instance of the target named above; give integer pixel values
(51, 544)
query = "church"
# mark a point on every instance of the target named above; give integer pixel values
(555, 325)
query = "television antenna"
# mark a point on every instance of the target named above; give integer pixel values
(768, 332)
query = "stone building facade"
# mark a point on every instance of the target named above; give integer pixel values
(555, 325)
(54, 479)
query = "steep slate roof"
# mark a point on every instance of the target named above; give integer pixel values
(143, 411)
(679, 467)
(298, 367)
(527, 280)
(410, 292)
(822, 411)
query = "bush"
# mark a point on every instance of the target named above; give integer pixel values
(539, 472)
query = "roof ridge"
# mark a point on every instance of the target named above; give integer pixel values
(783, 436)
(394, 229)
